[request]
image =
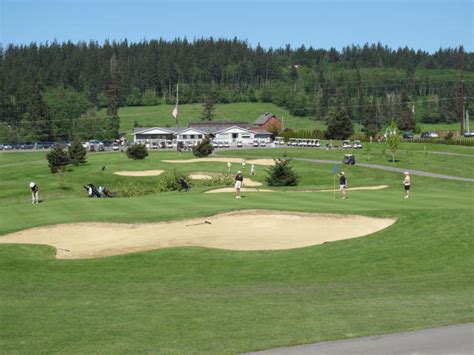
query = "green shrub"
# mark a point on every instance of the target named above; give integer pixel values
(134, 189)
(204, 148)
(137, 151)
(282, 174)
(169, 181)
(219, 180)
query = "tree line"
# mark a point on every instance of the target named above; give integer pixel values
(52, 91)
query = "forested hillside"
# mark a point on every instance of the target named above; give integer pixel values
(53, 91)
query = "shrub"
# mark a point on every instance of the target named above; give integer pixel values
(137, 152)
(169, 181)
(134, 189)
(219, 180)
(282, 174)
(58, 159)
(204, 148)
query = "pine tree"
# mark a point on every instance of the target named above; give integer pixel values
(282, 174)
(58, 159)
(209, 107)
(340, 123)
(77, 153)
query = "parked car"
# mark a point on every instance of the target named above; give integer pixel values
(255, 143)
(262, 144)
(346, 144)
(408, 135)
(116, 146)
(357, 145)
(226, 144)
(469, 134)
(239, 144)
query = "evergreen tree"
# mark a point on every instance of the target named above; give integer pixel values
(209, 107)
(204, 148)
(77, 153)
(282, 174)
(58, 159)
(340, 123)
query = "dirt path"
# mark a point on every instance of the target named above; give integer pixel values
(244, 230)
(265, 162)
(139, 173)
(231, 189)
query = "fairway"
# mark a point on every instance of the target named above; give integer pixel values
(413, 271)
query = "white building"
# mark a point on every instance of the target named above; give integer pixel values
(235, 134)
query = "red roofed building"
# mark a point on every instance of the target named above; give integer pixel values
(268, 122)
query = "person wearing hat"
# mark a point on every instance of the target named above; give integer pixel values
(34, 193)
(406, 184)
(238, 184)
(343, 184)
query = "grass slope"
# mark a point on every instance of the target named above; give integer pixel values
(415, 274)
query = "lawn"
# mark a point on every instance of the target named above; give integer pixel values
(415, 274)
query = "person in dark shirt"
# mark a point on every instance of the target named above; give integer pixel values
(238, 184)
(343, 185)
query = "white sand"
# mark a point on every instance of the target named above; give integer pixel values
(245, 230)
(266, 162)
(139, 173)
(231, 189)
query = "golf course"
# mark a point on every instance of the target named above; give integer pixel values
(204, 295)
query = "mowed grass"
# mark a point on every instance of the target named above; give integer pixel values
(415, 274)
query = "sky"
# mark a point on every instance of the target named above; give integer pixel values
(418, 24)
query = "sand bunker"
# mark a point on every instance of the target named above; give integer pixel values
(139, 173)
(231, 189)
(266, 162)
(205, 176)
(244, 230)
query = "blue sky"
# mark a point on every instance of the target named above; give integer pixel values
(426, 25)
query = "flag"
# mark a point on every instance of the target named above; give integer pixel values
(334, 169)
(175, 112)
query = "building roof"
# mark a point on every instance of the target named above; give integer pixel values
(214, 126)
(145, 129)
(264, 118)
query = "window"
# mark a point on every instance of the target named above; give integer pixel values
(191, 136)
(245, 135)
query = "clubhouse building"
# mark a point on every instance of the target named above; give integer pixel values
(223, 131)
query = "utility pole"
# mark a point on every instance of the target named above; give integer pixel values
(461, 49)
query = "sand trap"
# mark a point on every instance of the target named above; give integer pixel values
(266, 162)
(205, 176)
(231, 189)
(244, 230)
(139, 173)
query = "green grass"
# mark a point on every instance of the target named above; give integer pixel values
(415, 274)
(409, 156)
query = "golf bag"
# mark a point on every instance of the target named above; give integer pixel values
(92, 190)
(184, 184)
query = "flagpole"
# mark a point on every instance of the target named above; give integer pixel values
(334, 186)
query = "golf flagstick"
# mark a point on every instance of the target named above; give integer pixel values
(334, 170)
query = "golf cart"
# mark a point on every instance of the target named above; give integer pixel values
(346, 144)
(357, 145)
(349, 159)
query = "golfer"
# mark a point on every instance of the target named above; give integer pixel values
(34, 193)
(343, 184)
(238, 184)
(252, 170)
(406, 184)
